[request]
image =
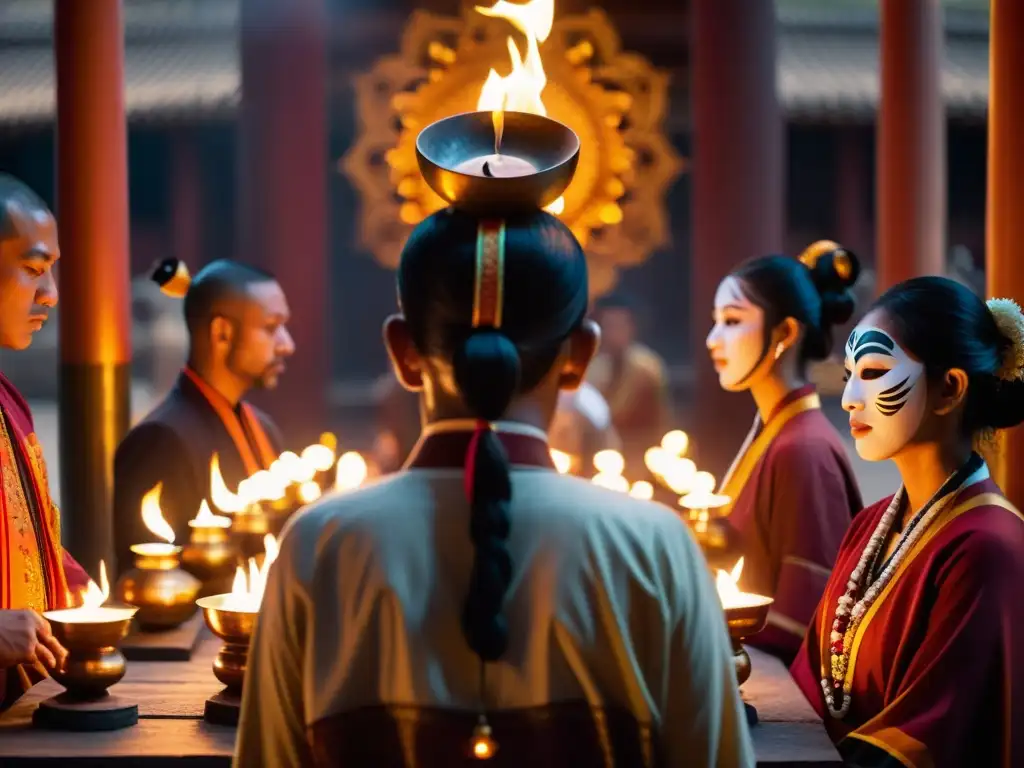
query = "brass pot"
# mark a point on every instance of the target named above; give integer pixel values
(235, 628)
(94, 662)
(164, 593)
(745, 621)
(210, 556)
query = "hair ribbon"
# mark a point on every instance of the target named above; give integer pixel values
(489, 277)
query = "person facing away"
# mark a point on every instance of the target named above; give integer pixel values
(632, 379)
(915, 655)
(36, 573)
(477, 586)
(792, 489)
(237, 319)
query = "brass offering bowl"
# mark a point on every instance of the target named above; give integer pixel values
(235, 628)
(210, 556)
(164, 593)
(248, 529)
(91, 635)
(550, 147)
(745, 621)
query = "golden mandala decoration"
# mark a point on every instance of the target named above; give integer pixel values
(615, 101)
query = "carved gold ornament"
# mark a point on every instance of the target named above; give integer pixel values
(615, 101)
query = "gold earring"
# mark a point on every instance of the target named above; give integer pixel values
(779, 349)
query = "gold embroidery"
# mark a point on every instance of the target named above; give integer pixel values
(24, 549)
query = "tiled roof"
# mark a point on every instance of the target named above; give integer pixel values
(181, 61)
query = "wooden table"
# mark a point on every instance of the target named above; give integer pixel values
(171, 730)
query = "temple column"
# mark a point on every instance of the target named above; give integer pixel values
(1004, 266)
(738, 189)
(95, 300)
(283, 190)
(911, 152)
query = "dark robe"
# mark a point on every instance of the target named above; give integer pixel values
(173, 445)
(794, 495)
(36, 572)
(939, 657)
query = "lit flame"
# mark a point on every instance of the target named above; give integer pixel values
(641, 489)
(92, 609)
(521, 89)
(309, 492)
(289, 468)
(676, 442)
(610, 481)
(152, 516)
(264, 485)
(206, 519)
(247, 589)
(609, 462)
(561, 460)
(222, 498)
(318, 456)
(350, 472)
(729, 592)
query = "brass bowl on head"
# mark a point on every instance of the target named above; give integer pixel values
(94, 662)
(235, 628)
(164, 593)
(746, 621)
(210, 556)
(552, 148)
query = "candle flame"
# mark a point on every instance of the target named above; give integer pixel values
(561, 460)
(222, 498)
(152, 516)
(206, 519)
(641, 489)
(609, 462)
(521, 89)
(94, 596)
(318, 456)
(248, 586)
(731, 596)
(676, 442)
(92, 609)
(309, 492)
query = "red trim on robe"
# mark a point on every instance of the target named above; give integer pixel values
(448, 450)
(939, 663)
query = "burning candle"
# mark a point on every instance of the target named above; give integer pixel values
(153, 519)
(206, 519)
(496, 166)
(727, 584)
(222, 498)
(92, 610)
(246, 594)
(702, 495)
(676, 442)
(641, 489)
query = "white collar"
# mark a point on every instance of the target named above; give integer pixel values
(468, 425)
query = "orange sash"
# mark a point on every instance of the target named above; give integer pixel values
(237, 424)
(19, 494)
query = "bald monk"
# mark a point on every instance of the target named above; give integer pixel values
(237, 319)
(36, 573)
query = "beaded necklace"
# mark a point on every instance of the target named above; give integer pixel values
(849, 610)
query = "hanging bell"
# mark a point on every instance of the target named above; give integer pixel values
(482, 746)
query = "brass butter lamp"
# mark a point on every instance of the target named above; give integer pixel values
(210, 554)
(498, 161)
(163, 592)
(91, 634)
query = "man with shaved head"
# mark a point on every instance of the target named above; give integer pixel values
(237, 319)
(36, 574)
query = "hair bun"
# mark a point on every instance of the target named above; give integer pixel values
(1010, 321)
(834, 270)
(487, 370)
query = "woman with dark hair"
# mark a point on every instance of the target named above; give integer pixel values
(477, 604)
(791, 486)
(915, 655)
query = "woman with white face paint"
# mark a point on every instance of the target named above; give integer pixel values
(792, 488)
(916, 654)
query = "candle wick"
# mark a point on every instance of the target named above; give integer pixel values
(487, 169)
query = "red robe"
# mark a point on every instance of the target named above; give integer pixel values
(939, 658)
(35, 570)
(791, 508)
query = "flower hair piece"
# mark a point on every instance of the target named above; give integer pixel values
(1010, 320)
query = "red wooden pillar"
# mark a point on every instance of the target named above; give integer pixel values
(283, 178)
(911, 154)
(738, 189)
(1004, 266)
(95, 301)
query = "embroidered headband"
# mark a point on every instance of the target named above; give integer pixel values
(489, 277)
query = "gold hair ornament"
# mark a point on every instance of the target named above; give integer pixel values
(841, 261)
(173, 277)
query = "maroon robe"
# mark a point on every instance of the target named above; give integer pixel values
(939, 658)
(50, 578)
(790, 516)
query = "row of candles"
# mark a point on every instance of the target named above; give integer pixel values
(159, 594)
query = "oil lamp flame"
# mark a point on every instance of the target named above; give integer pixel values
(92, 609)
(222, 498)
(729, 592)
(350, 472)
(609, 462)
(153, 517)
(521, 89)
(246, 594)
(318, 456)
(561, 460)
(206, 519)
(676, 442)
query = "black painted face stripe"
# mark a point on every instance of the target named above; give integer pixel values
(893, 393)
(890, 410)
(872, 343)
(891, 401)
